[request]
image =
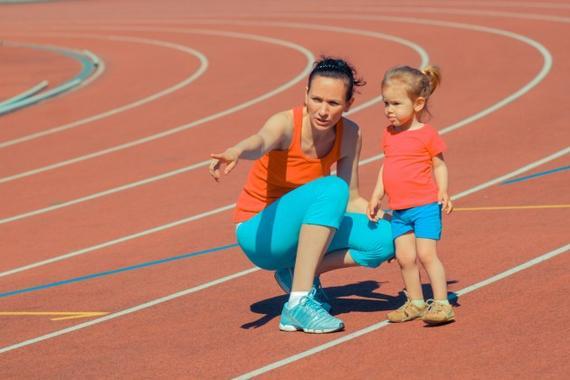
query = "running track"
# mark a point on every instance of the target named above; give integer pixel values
(107, 206)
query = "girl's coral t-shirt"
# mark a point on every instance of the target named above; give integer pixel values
(408, 168)
(280, 171)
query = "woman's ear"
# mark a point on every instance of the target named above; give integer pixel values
(419, 104)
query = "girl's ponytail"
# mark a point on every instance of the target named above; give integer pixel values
(433, 73)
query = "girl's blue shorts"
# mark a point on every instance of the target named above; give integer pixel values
(424, 221)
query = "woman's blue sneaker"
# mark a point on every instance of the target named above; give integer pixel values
(284, 278)
(309, 316)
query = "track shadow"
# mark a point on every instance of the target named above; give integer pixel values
(369, 300)
(428, 294)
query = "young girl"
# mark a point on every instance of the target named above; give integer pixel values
(414, 176)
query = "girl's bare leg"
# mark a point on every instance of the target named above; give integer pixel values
(427, 254)
(406, 255)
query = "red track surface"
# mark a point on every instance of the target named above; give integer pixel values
(512, 328)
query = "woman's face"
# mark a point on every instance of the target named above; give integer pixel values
(326, 101)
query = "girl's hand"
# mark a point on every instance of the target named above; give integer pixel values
(229, 158)
(445, 202)
(372, 209)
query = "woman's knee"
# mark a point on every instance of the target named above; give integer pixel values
(369, 243)
(269, 260)
(263, 250)
(329, 198)
(335, 188)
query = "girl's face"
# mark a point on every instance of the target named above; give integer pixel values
(398, 106)
(326, 101)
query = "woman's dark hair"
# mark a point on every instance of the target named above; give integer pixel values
(337, 68)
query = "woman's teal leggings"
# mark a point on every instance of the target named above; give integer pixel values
(270, 238)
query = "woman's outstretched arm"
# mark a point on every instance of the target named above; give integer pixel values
(274, 134)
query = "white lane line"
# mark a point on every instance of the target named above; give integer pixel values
(385, 323)
(480, 187)
(243, 273)
(308, 55)
(496, 181)
(534, 81)
(163, 227)
(61, 332)
(169, 90)
(128, 311)
(501, 4)
(101, 67)
(105, 193)
(424, 59)
(542, 74)
(117, 241)
(459, 12)
(545, 69)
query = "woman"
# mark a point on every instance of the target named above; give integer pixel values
(292, 216)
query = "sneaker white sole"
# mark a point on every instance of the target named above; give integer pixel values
(290, 328)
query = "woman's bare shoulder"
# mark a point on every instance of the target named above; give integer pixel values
(279, 128)
(283, 117)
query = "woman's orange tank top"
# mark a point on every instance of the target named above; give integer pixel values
(280, 171)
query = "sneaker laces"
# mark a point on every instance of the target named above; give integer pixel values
(314, 295)
(314, 307)
(318, 291)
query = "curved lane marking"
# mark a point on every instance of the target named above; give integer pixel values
(198, 122)
(458, 11)
(502, 4)
(424, 59)
(355, 334)
(88, 68)
(101, 69)
(164, 44)
(25, 94)
(540, 76)
(243, 273)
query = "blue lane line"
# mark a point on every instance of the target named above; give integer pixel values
(115, 271)
(536, 175)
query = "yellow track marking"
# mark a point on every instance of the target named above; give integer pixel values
(58, 315)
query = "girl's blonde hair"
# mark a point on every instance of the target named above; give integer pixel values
(419, 83)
